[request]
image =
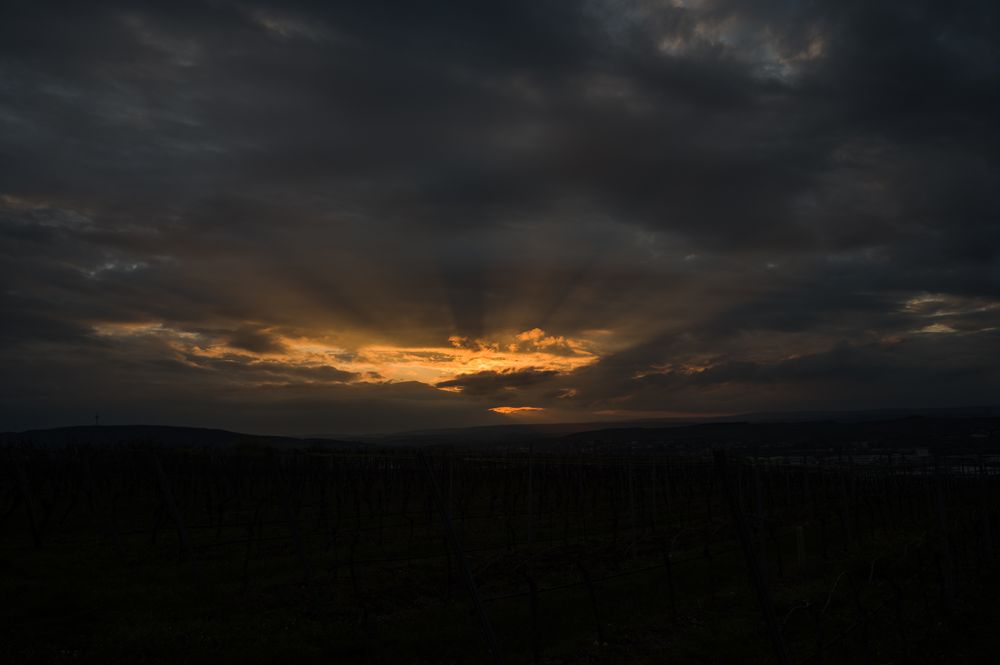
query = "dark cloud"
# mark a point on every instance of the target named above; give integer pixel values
(264, 190)
(254, 340)
(924, 370)
(488, 383)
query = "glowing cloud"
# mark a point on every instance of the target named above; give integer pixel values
(464, 366)
(512, 410)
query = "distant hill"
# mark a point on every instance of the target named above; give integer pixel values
(865, 414)
(487, 434)
(977, 426)
(786, 422)
(168, 436)
(945, 434)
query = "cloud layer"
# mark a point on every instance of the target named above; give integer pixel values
(308, 217)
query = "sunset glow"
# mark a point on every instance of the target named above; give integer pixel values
(530, 350)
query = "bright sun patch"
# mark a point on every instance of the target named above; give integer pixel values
(513, 410)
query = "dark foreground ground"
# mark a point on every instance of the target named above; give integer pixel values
(145, 554)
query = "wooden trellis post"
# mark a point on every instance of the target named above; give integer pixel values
(449, 527)
(756, 576)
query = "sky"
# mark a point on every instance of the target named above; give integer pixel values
(359, 217)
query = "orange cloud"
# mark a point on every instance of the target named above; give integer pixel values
(531, 352)
(509, 410)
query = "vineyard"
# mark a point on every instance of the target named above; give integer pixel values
(143, 554)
